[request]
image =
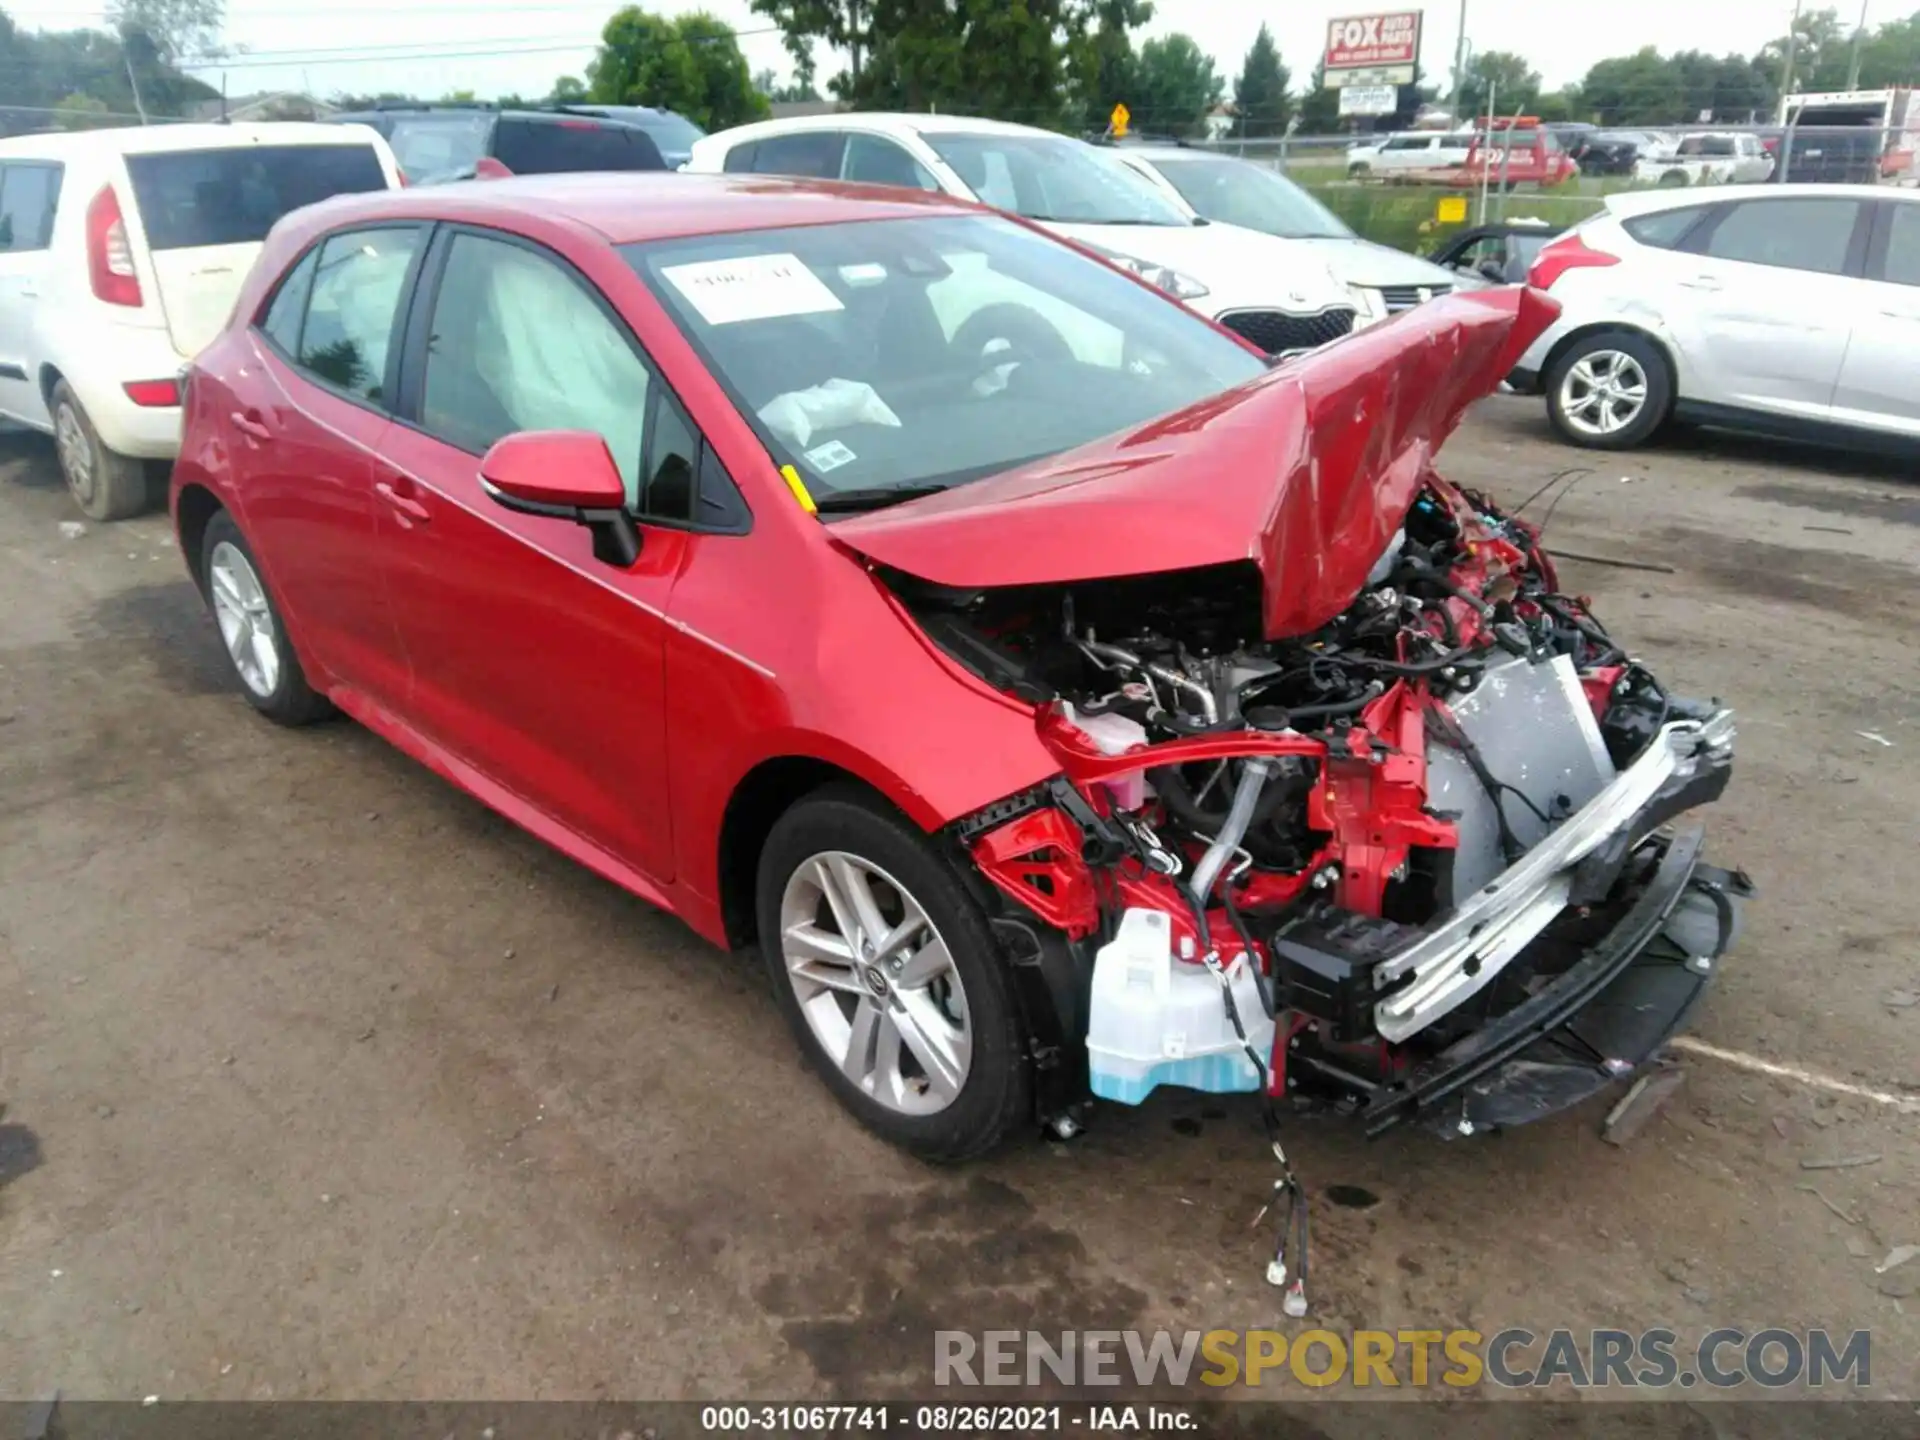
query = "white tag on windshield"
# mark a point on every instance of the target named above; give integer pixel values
(752, 287)
(830, 456)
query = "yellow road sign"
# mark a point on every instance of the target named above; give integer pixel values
(1452, 210)
(1120, 118)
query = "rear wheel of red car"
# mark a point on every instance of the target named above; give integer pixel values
(104, 484)
(888, 974)
(256, 641)
(1609, 391)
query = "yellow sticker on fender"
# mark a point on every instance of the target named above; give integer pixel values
(799, 489)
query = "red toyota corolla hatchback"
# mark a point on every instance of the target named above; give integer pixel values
(1064, 700)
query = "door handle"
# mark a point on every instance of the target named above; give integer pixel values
(247, 422)
(1701, 282)
(411, 511)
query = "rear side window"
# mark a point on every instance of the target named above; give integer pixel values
(29, 194)
(353, 299)
(551, 147)
(192, 198)
(289, 307)
(811, 152)
(1664, 229)
(1812, 234)
(876, 161)
(739, 159)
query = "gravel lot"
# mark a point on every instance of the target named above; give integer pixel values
(321, 1081)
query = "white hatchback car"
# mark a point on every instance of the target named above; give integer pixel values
(1788, 309)
(121, 252)
(1257, 286)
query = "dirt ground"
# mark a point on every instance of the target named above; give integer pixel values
(322, 1081)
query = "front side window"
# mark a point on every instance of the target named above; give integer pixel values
(192, 198)
(1903, 245)
(1791, 234)
(883, 358)
(1049, 177)
(516, 343)
(29, 194)
(352, 306)
(873, 160)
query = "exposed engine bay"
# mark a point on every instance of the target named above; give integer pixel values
(1361, 867)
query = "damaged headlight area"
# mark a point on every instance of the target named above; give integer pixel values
(1417, 864)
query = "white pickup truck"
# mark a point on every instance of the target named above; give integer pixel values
(1726, 159)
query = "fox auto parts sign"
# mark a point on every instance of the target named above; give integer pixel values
(1366, 42)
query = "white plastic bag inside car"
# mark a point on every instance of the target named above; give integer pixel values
(796, 415)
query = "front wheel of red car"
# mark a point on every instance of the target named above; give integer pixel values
(887, 972)
(255, 638)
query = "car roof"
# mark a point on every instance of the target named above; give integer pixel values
(639, 205)
(1647, 202)
(146, 139)
(890, 122)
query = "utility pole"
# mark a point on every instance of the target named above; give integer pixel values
(1859, 39)
(1459, 61)
(1786, 66)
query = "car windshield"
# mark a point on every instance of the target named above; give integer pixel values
(886, 358)
(1048, 177)
(438, 147)
(1238, 193)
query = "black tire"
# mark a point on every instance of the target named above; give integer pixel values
(996, 1095)
(1564, 412)
(1360, 170)
(291, 701)
(105, 485)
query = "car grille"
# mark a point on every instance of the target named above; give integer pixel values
(1278, 333)
(1405, 297)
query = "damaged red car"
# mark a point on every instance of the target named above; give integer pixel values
(1063, 699)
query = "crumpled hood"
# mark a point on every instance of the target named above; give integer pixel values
(1307, 472)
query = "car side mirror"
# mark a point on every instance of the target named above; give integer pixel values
(565, 475)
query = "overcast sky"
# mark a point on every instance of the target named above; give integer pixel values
(403, 45)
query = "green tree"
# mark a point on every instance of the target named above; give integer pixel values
(1566, 103)
(1821, 48)
(178, 29)
(1108, 69)
(1643, 88)
(460, 97)
(1261, 105)
(1319, 106)
(81, 112)
(1513, 83)
(690, 63)
(568, 90)
(1891, 56)
(1178, 85)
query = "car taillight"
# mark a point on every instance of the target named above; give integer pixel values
(109, 254)
(153, 393)
(1568, 253)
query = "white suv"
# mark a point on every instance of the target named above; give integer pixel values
(121, 252)
(1788, 309)
(1260, 287)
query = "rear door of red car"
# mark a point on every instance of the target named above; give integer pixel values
(533, 663)
(306, 421)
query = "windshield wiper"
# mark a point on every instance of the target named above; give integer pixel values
(873, 498)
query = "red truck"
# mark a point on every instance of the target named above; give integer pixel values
(1518, 150)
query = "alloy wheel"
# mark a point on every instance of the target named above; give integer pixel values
(1603, 392)
(245, 619)
(75, 449)
(876, 983)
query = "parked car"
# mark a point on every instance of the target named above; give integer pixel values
(1725, 159)
(1237, 192)
(739, 538)
(674, 133)
(1613, 152)
(1499, 254)
(1787, 310)
(1516, 152)
(1253, 284)
(120, 254)
(1416, 155)
(435, 143)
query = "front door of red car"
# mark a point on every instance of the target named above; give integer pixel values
(306, 420)
(533, 663)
